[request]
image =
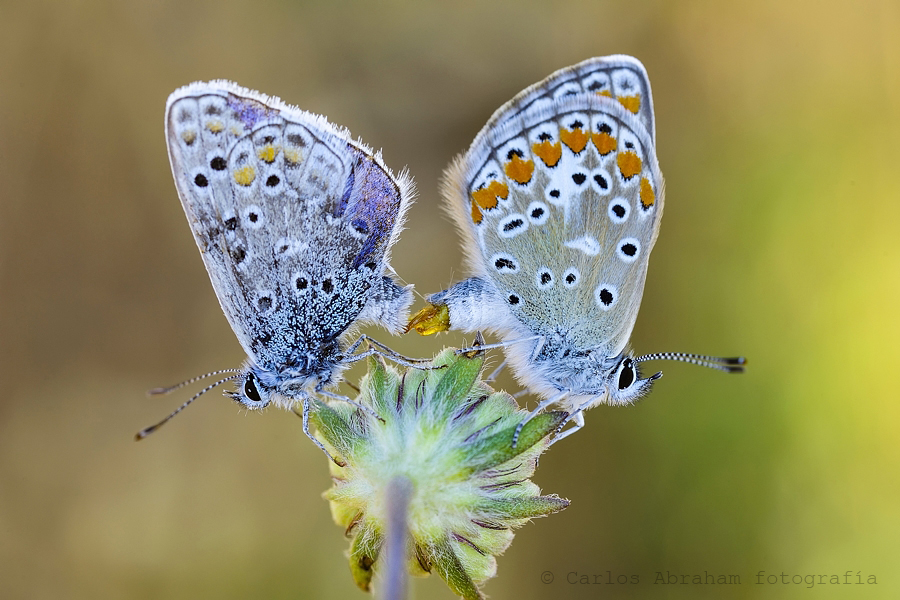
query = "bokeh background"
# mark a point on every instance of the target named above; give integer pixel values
(778, 125)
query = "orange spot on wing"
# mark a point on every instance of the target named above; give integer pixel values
(477, 217)
(245, 175)
(547, 151)
(519, 170)
(487, 198)
(606, 93)
(629, 164)
(604, 142)
(648, 196)
(215, 126)
(632, 103)
(576, 139)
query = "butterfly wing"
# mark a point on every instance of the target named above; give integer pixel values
(560, 198)
(294, 221)
(620, 77)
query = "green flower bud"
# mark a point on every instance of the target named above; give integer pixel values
(447, 436)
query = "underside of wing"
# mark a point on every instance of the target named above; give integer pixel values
(620, 77)
(294, 220)
(560, 197)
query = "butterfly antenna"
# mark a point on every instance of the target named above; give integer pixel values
(725, 364)
(166, 390)
(147, 431)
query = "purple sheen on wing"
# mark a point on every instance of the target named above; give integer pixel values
(248, 111)
(375, 200)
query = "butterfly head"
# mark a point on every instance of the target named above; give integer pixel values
(624, 383)
(252, 389)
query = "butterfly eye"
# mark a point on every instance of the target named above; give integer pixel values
(626, 375)
(250, 389)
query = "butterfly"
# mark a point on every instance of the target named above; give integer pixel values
(294, 221)
(559, 200)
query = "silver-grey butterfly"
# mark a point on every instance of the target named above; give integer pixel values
(294, 221)
(559, 199)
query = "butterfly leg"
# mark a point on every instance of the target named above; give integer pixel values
(578, 418)
(342, 398)
(541, 406)
(380, 349)
(390, 352)
(495, 373)
(304, 415)
(498, 344)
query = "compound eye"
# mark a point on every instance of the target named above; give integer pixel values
(626, 375)
(250, 389)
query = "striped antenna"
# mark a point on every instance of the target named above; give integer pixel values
(148, 430)
(726, 364)
(166, 390)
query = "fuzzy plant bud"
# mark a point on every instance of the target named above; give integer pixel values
(447, 438)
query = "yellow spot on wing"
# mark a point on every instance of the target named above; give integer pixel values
(632, 103)
(648, 196)
(189, 136)
(292, 155)
(215, 126)
(629, 164)
(245, 175)
(547, 151)
(519, 170)
(606, 93)
(267, 153)
(487, 199)
(604, 142)
(576, 139)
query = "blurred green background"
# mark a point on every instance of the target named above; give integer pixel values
(778, 125)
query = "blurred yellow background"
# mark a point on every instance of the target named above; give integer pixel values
(778, 126)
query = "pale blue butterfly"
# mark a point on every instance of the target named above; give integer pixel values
(559, 199)
(294, 221)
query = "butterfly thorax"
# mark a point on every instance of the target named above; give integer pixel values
(562, 364)
(289, 382)
(555, 367)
